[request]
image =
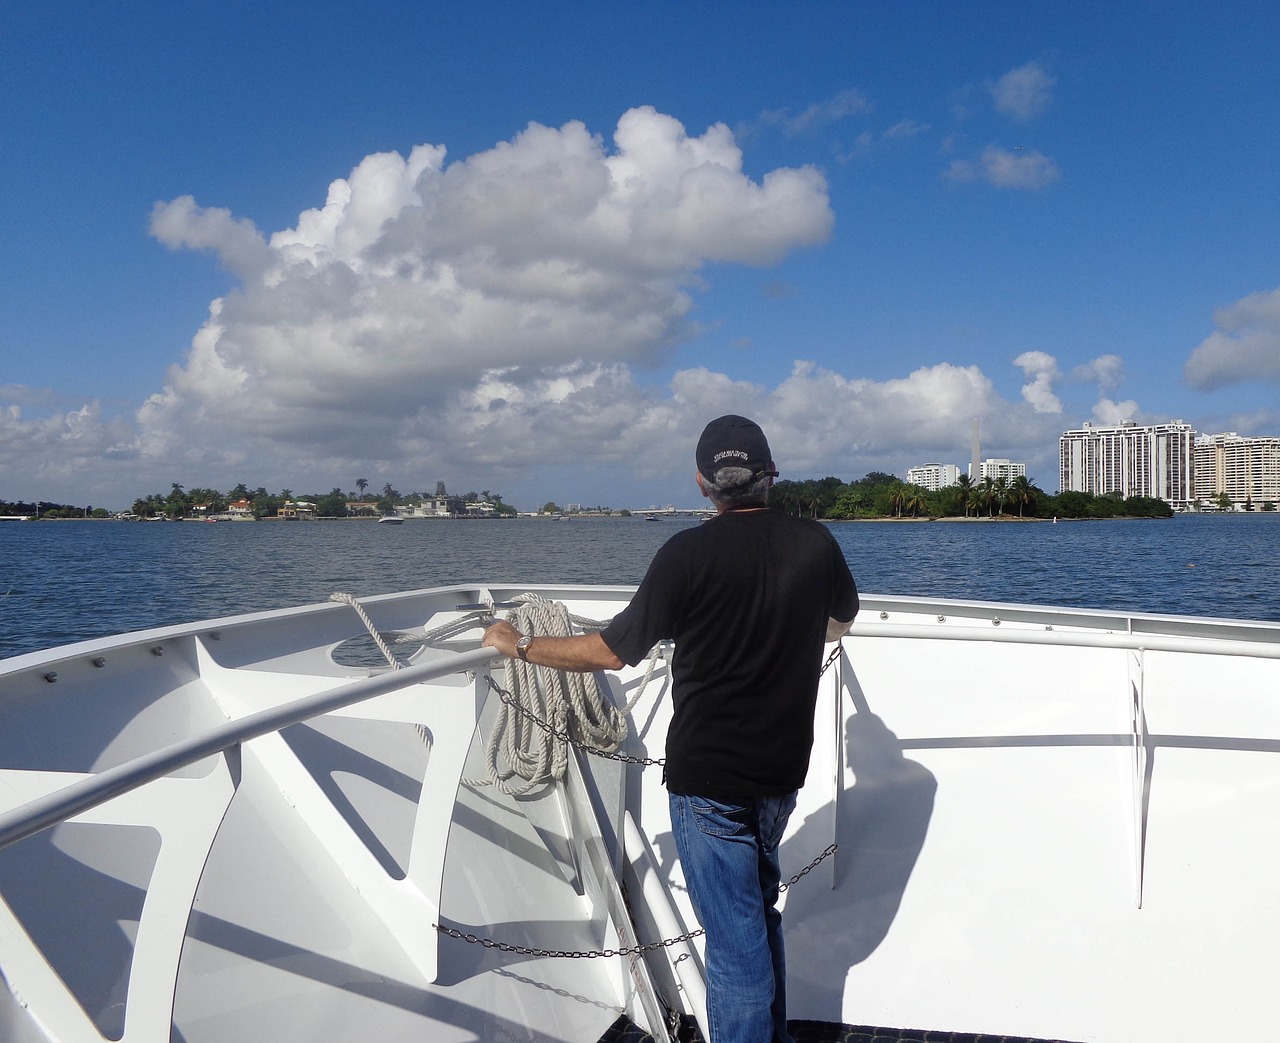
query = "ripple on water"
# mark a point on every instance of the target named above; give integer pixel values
(67, 581)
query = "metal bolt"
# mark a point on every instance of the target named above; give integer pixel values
(995, 622)
(51, 676)
(99, 662)
(157, 651)
(942, 619)
(884, 615)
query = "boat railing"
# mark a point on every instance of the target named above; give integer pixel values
(56, 807)
(1137, 642)
(53, 808)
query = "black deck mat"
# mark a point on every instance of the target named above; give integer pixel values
(625, 1031)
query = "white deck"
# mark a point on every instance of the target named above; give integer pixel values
(1056, 825)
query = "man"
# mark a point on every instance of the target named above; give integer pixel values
(749, 598)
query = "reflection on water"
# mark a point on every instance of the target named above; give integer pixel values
(66, 581)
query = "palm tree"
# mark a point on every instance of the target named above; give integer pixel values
(897, 499)
(176, 505)
(1022, 491)
(1002, 492)
(965, 484)
(917, 501)
(987, 493)
(362, 484)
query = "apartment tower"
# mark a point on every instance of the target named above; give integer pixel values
(1245, 470)
(1131, 460)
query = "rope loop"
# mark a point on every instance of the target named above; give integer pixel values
(543, 711)
(378, 639)
(573, 705)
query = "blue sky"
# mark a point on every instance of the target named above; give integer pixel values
(532, 248)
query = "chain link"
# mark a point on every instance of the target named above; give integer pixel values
(831, 849)
(564, 736)
(595, 751)
(566, 954)
(835, 654)
(630, 950)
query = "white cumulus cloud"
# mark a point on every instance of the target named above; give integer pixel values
(495, 321)
(1110, 414)
(1107, 371)
(1005, 168)
(1023, 93)
(236, 241)
(418, 284)
(1244, 347)
(1041, 370)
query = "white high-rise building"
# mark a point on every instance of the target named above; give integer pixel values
(1156, 460)
(975, 451)
(933, 476)
(996, 469)
(1245, 470)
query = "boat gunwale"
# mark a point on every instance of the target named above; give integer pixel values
(1196, 630)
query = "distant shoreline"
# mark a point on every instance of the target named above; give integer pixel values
(1005, 518)
(999, 520)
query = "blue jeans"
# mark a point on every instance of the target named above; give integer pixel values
(729, 853)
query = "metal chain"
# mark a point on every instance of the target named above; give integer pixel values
(631, 950)
(835, 654)
(831, 849)
(563, 736)
(565, 954)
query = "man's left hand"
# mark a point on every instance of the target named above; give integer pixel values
(503, 637)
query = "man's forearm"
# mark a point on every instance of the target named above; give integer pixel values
(582, 653)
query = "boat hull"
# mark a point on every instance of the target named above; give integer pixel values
(1051, 824)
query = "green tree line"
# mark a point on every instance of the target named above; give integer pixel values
(182, 503)
(46, 509)
(880, 495)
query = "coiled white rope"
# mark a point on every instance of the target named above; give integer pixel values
(571, 703)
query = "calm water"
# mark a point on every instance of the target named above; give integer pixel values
(66, 581)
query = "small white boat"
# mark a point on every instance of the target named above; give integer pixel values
(1051, 824)
(390, 519)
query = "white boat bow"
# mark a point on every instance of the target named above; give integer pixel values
(1051, 824)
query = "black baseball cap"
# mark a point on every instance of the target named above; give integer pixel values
(734, 441)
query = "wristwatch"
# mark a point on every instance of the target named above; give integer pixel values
(522, 647)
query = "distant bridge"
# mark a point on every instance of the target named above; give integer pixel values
(670, 511)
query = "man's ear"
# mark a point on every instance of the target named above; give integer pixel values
(697, 477)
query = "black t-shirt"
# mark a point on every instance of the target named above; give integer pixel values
(746, 596)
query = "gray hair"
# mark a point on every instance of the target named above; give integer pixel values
(737, 487)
